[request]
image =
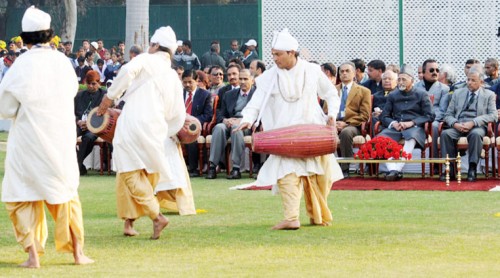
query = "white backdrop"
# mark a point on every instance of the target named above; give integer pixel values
(450, 31)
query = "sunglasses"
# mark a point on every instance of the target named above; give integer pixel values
(217, 74)
(432, 70)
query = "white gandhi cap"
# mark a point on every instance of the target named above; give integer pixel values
(35, 20)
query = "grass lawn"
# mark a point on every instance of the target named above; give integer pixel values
(374, 234)
(3, 137)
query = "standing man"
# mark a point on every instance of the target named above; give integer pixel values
(406, 111)
(491, 70)
(375, 70)
(41, 166)
(282, 100)
(470, 111)
(354, 110)
(212, 57)
(233, 52)
(251, 53)
(154, 112)
(189, 60)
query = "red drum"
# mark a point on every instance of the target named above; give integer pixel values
(103, 126)
(298, 141)
(190, 131)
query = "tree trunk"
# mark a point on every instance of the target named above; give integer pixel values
(68, 30)
(137, 26)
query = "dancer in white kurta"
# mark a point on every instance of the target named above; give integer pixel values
(41, 165)
(154, 109)
(287, 95)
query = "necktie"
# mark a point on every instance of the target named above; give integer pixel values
(189, 103)
(342, 102)
(471, 100)
(244, 95)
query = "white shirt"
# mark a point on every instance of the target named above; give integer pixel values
(302, 91)
(154, 110)
(41, 160)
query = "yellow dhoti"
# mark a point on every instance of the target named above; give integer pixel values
(135, 195)
(180, 199)
(30, 225)
(316, 191)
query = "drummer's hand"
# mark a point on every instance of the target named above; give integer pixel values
(82, 125)
(242, 127)
(105, 104)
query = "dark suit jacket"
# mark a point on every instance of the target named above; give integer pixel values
(202, 105)
(229, 103)
(372, 86)
(222, 91)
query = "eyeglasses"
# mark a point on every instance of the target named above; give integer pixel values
(217, 74)
(432, 70)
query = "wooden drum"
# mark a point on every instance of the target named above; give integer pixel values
(103, 126)
(298, 141)
(190, 131)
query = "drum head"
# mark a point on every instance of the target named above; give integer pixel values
(97, 124)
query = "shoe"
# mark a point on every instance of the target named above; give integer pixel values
(393, 175)
(83, 170)
(234, 175)
(471, 175)
(346, 174)
(211, 174)
(194, 174)
(443, 177)
(256, 168)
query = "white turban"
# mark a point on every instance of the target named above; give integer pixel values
(284, 41)
(165, 37)
(35, 20)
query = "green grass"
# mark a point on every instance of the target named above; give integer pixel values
(3, 137)
(374, 234)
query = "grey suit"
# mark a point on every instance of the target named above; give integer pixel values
(441, 95)
(485, 113)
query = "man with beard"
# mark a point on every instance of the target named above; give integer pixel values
(407, 110)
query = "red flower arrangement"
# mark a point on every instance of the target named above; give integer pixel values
(381, 148)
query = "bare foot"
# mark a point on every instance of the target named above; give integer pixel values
(287, 225)
(128, 229)
(81, 259)
(78, 255)
(30, 264)
(33, 261)
(158, 225)
(324, 224)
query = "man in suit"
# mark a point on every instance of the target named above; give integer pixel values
(389, 84)
(198, 104)
(468, 64)
(432, 86)
(469, 112)
(354, 110)
(406, 111)
(233, 73)
(375, 70)
(228, 119)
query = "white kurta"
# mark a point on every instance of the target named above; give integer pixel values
(154, 110)
(302, 85)
(177, 168)
(38, 94)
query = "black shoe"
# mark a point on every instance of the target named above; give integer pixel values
(235, 174)
(393, 175)
(83, 170)
(194, 174)
(443, 177)
(471, 175)
(345, 173)
(256, 168)
(211, 174)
